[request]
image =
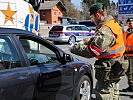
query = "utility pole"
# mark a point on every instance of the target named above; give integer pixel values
(94, 1)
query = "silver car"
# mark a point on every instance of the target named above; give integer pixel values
(61, 33)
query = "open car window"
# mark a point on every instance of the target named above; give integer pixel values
(38, 53)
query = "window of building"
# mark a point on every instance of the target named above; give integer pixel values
(44, 14)
(54, 21)
(54, 13)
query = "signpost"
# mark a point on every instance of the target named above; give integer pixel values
(18, 14)
(125, 10)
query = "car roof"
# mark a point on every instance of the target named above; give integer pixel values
(13, 31)
(70, 25)
(76, 25)
(84, 21)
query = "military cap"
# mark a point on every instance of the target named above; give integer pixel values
(95, 7)
(130, 19)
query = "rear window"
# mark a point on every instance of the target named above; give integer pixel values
(57, 28)
(87, 23)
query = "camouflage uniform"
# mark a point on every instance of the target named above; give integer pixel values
(107, 87)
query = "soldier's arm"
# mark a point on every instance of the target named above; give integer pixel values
(103, 39)
(81, 50)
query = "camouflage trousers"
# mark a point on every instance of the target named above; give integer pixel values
(129, 72)
(108, 90)
(107, 73)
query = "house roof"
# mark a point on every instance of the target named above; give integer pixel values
(50, 4)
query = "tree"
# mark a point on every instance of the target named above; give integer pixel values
(85, 8)
(90, 2)
(85, 11)
(87, 3)
(71, 10)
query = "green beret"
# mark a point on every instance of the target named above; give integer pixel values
(95, 7)
(130, 19)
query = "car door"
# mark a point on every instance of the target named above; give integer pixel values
(78, 33)
(86, 31)
(55, 80)
(16, 81)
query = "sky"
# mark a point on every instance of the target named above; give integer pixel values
(78, 2)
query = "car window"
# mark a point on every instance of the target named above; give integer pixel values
(38, 53)
(84, 28)
(8, 55)
(69, 28)
(57, 28)
(77, 28)
(73, 28)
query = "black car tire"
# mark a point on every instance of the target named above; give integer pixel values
(84, 89)
(72, 39)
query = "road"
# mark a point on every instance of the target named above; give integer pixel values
(123, 82)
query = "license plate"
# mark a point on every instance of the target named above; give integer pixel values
(53, 35)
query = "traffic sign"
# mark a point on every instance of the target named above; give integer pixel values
(125, 9)
(125, 1)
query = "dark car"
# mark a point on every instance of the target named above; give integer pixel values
(31, 68)
(88, 23)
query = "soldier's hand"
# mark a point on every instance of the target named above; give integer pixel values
(86, 41)
(71, 45)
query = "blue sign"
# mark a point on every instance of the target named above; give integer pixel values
(32, 22)
(125, 1)
(125, 9)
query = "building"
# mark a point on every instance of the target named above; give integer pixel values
(51, 12)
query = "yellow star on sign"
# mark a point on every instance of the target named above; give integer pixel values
(8, 14)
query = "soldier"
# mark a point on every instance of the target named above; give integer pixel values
(108, 47)
(128, 39)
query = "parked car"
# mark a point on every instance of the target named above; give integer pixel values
(88, 23)
(61, 33)
(32, 68)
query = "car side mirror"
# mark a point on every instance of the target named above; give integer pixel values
(68, 57)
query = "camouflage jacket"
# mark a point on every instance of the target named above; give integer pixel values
(104, 38)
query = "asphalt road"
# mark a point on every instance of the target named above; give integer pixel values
(122, 83)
